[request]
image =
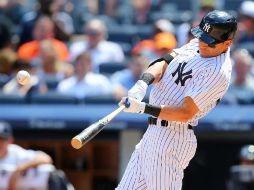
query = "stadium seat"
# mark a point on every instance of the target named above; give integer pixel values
(100, 99)
(53, 97)
(12, 99)
(111, 67)
(4, 79)
(130, 34)
(176, 18)
(126, 48)
(51, 82)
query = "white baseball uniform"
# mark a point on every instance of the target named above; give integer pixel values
(165, 151)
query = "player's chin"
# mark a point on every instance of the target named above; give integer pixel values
(204, 53)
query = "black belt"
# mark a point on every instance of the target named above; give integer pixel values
(164, 123)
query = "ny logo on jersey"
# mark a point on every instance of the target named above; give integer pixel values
(182, 77)
(207, 27)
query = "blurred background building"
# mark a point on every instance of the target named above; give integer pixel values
(84, 55)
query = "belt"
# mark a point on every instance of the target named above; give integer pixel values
(164, 123)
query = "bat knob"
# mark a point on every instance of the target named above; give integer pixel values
(127, 103)
(76, 143)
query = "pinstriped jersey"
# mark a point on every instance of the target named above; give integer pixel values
(205, 80)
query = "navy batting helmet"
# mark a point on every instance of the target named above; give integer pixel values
(216, 27)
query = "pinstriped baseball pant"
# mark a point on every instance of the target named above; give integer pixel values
(159, 159)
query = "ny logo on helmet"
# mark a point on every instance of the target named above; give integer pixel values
(207, 27)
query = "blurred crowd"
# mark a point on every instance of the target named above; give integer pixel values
(87, 48)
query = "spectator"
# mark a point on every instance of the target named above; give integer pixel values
(84, 82)
(7, 55)
(43, 30)
(64, 26)
(241, 176)
(15, 9)
(246, 25)
(63, 23)
(50, 69)
(162, 40)
(101, 51)
(111, 8)
(123, 80)
(140, 12)
(163, 25)
(79, 11)
(19, 158)
(152, 49)
(5, 17)
(241, 90)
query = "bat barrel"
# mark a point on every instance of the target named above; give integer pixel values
(82, 138)
(76, 142)
(87, 134)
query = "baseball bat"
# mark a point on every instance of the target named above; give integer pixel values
(92, 130)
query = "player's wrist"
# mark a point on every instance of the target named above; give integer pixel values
(152, 110)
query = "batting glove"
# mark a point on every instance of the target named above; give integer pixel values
(132, 105)
(138, 91)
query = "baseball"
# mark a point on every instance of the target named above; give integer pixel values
(23, 77)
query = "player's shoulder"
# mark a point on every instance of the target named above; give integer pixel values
(13, 148)
(189, 48)
(221, 60)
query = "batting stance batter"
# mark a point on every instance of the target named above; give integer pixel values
(188, 83)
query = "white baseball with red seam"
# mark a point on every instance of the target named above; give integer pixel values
(23, 77)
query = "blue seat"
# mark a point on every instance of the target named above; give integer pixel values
(51, 82)
(100, 99)
(4, 79)
(176, 18)
(53, 97)
(12, 99)
(126, 47)
(129, 33)
(111, 67)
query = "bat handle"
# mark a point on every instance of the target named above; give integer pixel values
(126, 103)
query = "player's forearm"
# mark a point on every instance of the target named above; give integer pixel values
(168, 113)
(181, 113)
(175, 114)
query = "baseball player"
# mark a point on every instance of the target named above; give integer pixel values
(188, 83)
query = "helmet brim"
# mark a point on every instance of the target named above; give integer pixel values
(203, 36)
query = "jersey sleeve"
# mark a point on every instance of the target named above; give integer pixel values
(207, 87)
(26, 155)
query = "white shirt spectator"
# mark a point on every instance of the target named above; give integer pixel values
(104, 52)
(92, 84)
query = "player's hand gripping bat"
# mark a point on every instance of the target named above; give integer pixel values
(92, 130)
